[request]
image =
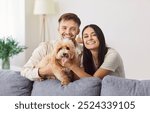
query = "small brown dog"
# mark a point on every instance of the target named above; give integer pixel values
(64, 50)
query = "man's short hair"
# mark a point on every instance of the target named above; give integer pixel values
(70, 16)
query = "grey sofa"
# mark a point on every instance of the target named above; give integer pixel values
(13, 84)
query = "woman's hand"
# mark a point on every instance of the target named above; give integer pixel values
(68, 64)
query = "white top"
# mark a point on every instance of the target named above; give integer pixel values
(112, 62)
(29, 70)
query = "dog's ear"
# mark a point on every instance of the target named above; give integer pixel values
(72, 56)
(57, 46)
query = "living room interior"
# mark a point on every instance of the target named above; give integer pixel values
(125, 25)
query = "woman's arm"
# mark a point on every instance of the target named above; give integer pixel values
(101, 73)
(79, 71)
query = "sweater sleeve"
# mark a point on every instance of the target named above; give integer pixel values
(30, 70)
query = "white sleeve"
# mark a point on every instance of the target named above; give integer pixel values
(111, 61)
(29, 70)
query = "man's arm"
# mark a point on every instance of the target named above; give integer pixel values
(30, 70)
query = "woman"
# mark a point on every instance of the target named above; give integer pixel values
(98, 60)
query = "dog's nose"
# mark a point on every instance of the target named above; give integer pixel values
(65, 54)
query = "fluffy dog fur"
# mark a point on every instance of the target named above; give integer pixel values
(63, 51)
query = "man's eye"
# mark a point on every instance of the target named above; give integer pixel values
(63, 28)
(73, 29)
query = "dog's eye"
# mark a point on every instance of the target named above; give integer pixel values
(59, 49)
(67, 48)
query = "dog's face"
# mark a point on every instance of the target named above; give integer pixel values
(64, 50)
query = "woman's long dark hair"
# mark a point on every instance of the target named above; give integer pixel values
(88, 62)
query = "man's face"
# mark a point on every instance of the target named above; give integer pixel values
(68, 29)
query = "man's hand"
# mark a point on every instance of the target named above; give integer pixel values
(45, 71)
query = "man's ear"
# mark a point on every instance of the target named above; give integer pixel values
(78, 31)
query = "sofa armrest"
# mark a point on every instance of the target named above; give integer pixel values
(13, 84)
(117, 86)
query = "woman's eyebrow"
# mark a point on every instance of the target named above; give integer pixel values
(93, 32)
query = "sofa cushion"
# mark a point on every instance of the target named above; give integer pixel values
(116, 86)
(13, 84)
(84, 87)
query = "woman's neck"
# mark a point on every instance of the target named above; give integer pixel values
(95, 58)
(94, 54)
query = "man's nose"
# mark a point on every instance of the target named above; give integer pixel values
(67, 31)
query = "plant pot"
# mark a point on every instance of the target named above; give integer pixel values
(6, 63)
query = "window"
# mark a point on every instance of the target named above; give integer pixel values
(12, 19)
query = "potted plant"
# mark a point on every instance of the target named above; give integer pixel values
(8, 48)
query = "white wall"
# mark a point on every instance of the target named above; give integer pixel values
(32, 28)
(125, 24)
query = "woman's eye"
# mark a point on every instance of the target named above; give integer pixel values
(85, 36)
(94, 34)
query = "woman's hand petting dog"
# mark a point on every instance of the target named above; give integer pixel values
(69, 64)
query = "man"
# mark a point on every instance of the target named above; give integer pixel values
(69, 24)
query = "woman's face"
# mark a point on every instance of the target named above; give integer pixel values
(90, 39)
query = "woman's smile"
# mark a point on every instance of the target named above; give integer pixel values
(90, 42)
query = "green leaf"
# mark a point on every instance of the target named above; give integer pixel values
(10, 47)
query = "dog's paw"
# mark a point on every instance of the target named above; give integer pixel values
(65, 82)
(51, 77)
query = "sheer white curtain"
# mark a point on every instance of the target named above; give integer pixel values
(12, 23)
(12, 19)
